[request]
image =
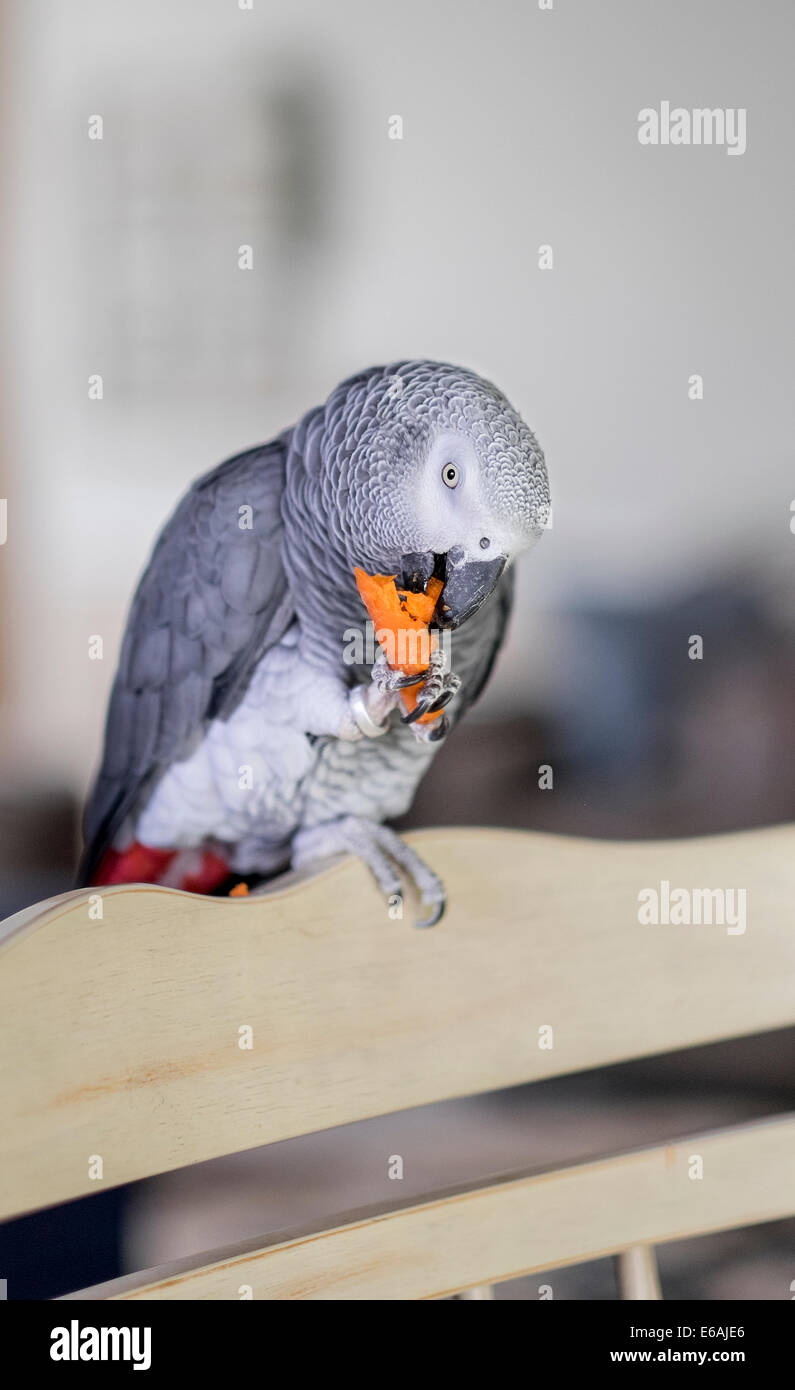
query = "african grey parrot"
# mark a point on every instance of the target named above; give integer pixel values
(239, 738)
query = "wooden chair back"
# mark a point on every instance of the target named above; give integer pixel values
(144, 1029)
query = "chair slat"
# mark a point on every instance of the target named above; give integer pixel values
(120, 1037)
(499, 1231)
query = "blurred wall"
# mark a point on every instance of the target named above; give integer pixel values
(270, 127)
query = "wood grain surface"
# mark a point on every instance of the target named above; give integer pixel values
(119, 1037)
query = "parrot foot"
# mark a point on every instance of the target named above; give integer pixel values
(371, 705)
(439, 687)
(389, 680)
(381, 849)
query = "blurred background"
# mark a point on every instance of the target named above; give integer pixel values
(270, 127)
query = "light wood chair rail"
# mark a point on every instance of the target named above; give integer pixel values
(121, 1038)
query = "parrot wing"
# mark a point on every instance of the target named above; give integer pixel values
(212, 600)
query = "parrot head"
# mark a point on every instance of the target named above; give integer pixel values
(440, 477)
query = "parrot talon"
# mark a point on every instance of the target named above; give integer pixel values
(412, 715)
(439, 689)
(441, 700)
(389, 681)
(435, 914)
(428, 707)
(406, 682)
(384, 853)
(433, 732)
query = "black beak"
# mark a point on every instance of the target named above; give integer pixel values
(467, 583)
(418, 567)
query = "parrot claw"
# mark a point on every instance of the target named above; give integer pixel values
(429, 706)
(433, 732)
(439, 688)
(389, 681)
(435, 914)
(384, 853)
(405, 682)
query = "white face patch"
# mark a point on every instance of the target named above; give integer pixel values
(455, 515)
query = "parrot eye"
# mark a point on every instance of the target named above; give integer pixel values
(450, 475)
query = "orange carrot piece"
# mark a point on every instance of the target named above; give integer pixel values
(395, 613)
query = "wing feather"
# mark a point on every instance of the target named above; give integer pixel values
(483, 636)
(212, 600)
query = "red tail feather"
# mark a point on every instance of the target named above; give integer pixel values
(143, 864)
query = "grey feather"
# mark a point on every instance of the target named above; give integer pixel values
(212, 599)
(476, 647)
